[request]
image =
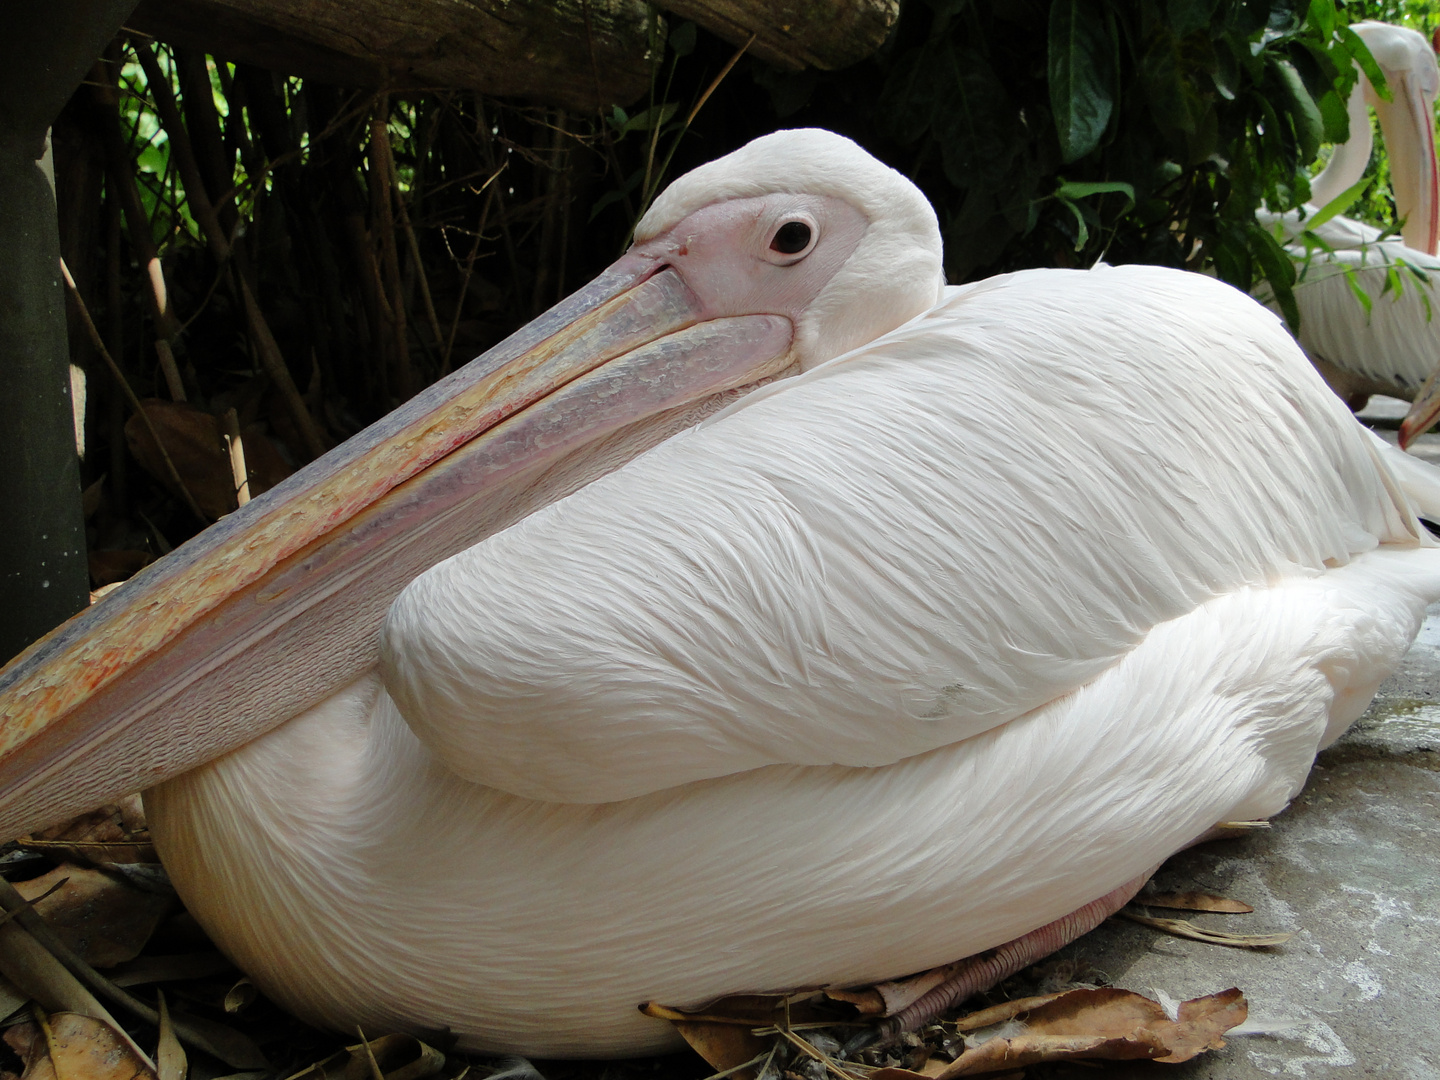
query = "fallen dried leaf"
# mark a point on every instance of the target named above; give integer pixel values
(170, 1062)
(42, 978)
(122, 821)
(998, 1014)
(19, 1037)
(155, 969)
(101, 918)
(723, 1033)
(240, 997)
(1194, 901)
(11, 999)
(725, 1047)
(394, 1057)
(1184, 929)
(34, 968)
(1102, 1024)
(75, 1047)
(101, 852)
(867, 1001)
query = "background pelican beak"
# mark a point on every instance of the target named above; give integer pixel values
(1424, 411)
(1409, 126)
(278, 605)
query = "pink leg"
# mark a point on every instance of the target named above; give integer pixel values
(984, 970)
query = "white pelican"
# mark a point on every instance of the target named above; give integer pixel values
(1394, 347)
(858, 675)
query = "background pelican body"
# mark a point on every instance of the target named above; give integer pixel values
(858, 676)
(1393, 345)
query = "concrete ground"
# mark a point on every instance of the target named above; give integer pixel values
(1352, 869)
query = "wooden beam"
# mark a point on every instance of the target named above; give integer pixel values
(796, 33)
(577, 54)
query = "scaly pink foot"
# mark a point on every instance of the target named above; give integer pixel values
(984, 970)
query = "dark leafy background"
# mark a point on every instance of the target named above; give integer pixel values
(1045, 132)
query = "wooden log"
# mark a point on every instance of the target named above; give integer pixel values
(578, 54)
(795, 33)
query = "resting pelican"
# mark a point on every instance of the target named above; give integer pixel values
(844, 678)
(1394, 347)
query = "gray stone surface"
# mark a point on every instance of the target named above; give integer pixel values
(1351, 869)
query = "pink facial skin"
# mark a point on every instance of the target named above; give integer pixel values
(727, 255)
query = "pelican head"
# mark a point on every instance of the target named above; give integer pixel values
(741, 226)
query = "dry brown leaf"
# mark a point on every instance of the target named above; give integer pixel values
(173, 968)
(998, 1014)
(117, 822)
(38, 975)
(19, 1037)
(867, 1000)
(240, 997)
(1184, 929)
(11, 999)
(723, 1032)
(724, 1046)
(397, 1057)
(94, 851)
(79, 1047)
(170, 1061)
(101, 918)
(1202, 1022)
(747, 1010)
(1103, 1024)
(193, 440)
(999, 1055)
(1194, 901)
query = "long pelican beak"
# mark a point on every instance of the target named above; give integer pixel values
(1408, 123)
(278, 605)
(1409, 126)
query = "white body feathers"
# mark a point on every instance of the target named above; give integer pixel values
(887, 664)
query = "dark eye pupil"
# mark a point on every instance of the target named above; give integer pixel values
(791, 237)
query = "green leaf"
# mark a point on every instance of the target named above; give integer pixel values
(1163, 84)
(975, 120)
(1305, 116)
(1338, 205)
(1081, 189)
(1359, 293)
(1226, 75)
(1278, 270)
(1081, 74)
(1082, 231)
(682, 39)
(1360, 53)
(655, 116)
(1322, 17)
(1185, 16)
(1335, 117)
(908, 100)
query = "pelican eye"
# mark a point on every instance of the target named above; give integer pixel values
(791, 238)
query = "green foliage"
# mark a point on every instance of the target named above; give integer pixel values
(1134, 130)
